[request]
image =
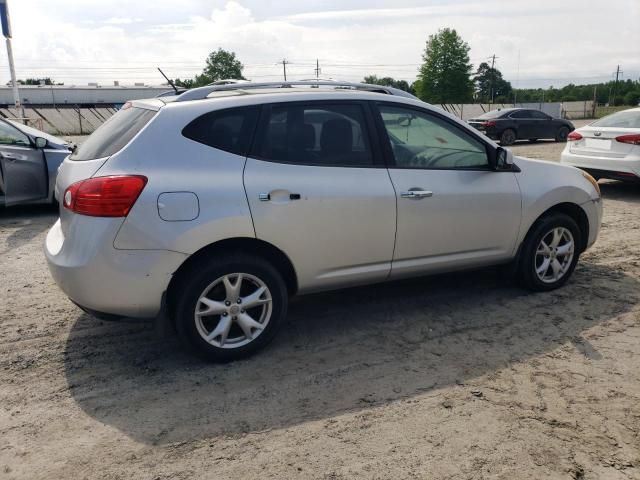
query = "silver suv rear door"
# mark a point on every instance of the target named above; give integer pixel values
(318, 191)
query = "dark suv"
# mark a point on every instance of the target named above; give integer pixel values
(510, 124)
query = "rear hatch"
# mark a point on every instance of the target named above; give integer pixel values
(111, 137)
(601, 142)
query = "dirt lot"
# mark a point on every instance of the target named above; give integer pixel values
(462, 376)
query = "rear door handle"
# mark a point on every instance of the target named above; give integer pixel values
(416, 194)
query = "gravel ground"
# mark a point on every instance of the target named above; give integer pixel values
(459, 376)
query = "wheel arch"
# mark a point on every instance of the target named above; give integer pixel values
(572, 210)
(239, 244)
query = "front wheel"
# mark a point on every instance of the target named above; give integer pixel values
(230, 307)
(549, 253)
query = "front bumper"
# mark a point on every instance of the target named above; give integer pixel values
(95, 275)
(593, 209)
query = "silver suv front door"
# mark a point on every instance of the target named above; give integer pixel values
(24, 172)
(453, 211)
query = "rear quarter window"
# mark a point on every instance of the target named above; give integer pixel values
(230, 130)
(113, 134)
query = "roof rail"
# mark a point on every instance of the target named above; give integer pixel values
(203, 92)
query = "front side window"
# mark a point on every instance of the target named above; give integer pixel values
(421, 140)
(538, 115)
(12, 136)
(229, 130)
(113, 134)
(316, 134)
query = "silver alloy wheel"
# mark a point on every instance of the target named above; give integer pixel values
(554, 255)
(233, 310)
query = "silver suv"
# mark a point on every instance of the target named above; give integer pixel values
(218, 205)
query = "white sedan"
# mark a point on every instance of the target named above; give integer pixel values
(607, 148)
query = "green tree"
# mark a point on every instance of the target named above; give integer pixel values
(37, 81)
(220, 65)
(490, 85)
(445, 74)
(389, 82)
(632, 98)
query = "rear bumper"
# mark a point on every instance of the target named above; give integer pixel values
(627, 168)
(95, 275)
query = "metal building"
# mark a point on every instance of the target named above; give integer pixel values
(50, 95)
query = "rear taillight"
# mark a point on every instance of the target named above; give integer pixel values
(489, 123)
(631, 139)
(573, 136)
(104, 196)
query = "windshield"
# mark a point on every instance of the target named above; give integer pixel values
(625, 119)
(113, 134)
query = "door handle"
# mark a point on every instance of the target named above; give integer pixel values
(417, 194)
(265, 197)
(9, 156)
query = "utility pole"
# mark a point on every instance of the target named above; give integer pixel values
(284, 68)
(615, 85)
(515, 95)
(493, 75)
(317, 69)
(6, 31)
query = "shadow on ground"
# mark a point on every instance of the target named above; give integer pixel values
(623, 191)
(27, 222)
(338, 352)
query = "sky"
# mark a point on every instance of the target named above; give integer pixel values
(537, 43)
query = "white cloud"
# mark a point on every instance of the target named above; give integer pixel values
(82, 41)
(122, 20)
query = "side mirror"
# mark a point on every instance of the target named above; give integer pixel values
(501, 159)
(40, 142)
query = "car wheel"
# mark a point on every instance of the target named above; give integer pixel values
(507, 137)
(230, 307)
(562, 134)
(533, 140)
(549, 253)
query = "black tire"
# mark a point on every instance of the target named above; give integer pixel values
(508, 137)
(527, 275)
(533, 140)
(562, 134)
(199, 277)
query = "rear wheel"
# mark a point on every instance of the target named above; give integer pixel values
(550, 252)
(508, 137)
(562, 134)
(230, 307)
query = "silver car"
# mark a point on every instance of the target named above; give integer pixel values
(216, 206)
(29, 161)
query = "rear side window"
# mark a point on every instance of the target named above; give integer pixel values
(229, 130)
(113, 134)
(521, 114)
(316, 134)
